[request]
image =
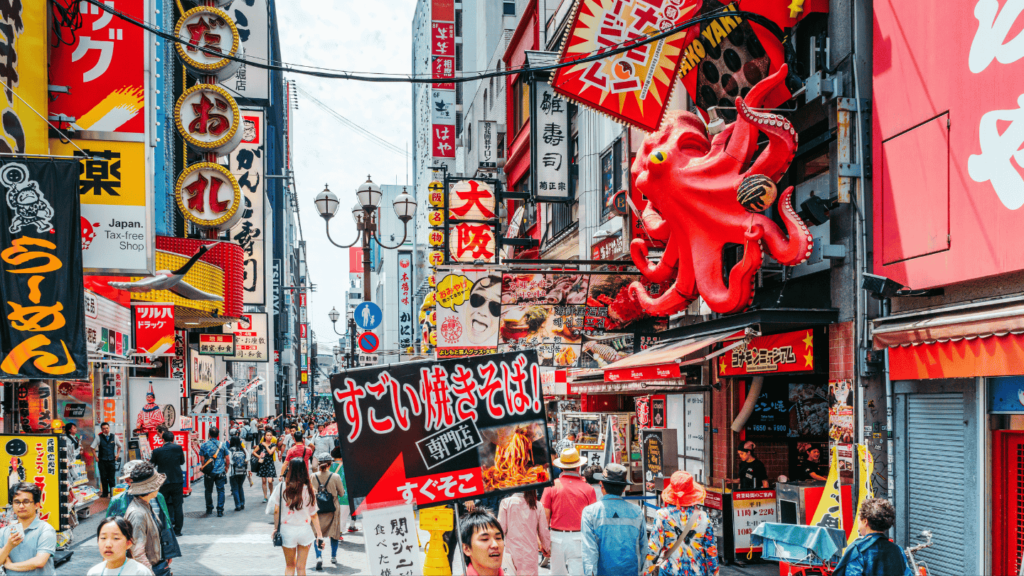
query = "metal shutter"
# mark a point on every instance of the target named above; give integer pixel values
(935, 454)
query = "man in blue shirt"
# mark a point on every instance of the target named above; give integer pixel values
(873, 554)
(612, 529)
(216, 459)
(27, 546)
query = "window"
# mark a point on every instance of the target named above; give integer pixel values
(458, 23)
(458, 57)
(521, 102)
(469, 136)
(458, 93)
(491, 105)
(611, 177)
(485, 100)
(458, 124)
(509, 9)
(501, 145)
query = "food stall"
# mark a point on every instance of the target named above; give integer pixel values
(593, 432)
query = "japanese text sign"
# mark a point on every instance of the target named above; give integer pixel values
(392, 544)
(406, 321)
(442, 38)
(251, 18)
(179, 364)
(434, 432)
(486, 140)
(200, 371)
(633, 87)
(41, 282)
(471, 200)
(251, 338)
(247, 165)
(103, 69)
(443, 140)
(551, 141)
(108, 325)
(117, 227)
(775, 354)
(154, 329)
(25, 46)
(442, 107)
(469, 242)
(217, 344)
(35, 458)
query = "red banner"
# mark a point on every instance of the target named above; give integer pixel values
(444, 141)
(442, 38)
(154, 329)
(663, 372)
(775, 354)
(104, 71)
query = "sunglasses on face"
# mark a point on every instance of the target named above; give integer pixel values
(477, 301)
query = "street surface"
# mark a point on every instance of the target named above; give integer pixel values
(239, 543)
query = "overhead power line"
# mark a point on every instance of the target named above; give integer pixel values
(357, 128)
(429, 79)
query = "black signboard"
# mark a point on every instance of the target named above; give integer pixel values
(793, 410)
(658, 412)
(653, 454)
(434, 432)
(41, 285)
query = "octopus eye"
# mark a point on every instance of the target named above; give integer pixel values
(657, 157)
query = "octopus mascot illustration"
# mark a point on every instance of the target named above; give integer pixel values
(705, 193)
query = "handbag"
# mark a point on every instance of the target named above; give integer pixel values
(325, 503)
(278, 539)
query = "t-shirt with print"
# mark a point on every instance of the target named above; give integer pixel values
(752, 475)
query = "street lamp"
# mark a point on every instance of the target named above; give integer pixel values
(365, 215)
(334, 315)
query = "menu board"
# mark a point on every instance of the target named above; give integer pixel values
(694, 426)
(794, 411)
(750, 510)
(653, 454)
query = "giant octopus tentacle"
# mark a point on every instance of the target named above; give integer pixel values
(739, 294)
(743, 142)
(775, 159)
(797, 247)
(654, 272)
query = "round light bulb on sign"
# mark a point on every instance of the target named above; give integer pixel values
(436, 258)
(206, 35)
(436, 218)
(433, 337)
(208, 119)
(436, 238)
(208, 196)
(432, 280)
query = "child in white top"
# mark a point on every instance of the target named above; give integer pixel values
(114, 537)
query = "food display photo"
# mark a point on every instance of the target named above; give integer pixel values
(514, 455)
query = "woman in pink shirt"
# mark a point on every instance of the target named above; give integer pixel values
(523, 522)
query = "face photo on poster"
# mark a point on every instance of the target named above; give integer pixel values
(468, 310)
(165, 398)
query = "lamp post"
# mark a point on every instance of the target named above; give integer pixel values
(334, 315)
(365, 215)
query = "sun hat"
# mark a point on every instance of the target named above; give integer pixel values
(570, 458)
(613, 474)
(126, 470)
(147, 486)
(683, 490)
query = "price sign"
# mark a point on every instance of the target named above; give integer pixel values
(750, 510)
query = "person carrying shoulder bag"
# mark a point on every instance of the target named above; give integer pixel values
(683, 541)
(329, 488)
(216, 459)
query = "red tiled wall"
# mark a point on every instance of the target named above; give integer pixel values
(721, 404)
(841, 351)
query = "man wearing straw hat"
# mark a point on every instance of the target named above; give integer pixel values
(563, 504)
(682, 542)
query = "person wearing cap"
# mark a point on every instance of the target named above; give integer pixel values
(150, 416)
(146, 547)
(753, 475)
(696, 554)
(563, 504)
(330, 523)
(613, 530)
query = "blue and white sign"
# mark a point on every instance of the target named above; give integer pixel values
(368, 316)
(1006, 395)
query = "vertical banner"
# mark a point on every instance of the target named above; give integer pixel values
(442, 54)
(550, 140)
(104, 70)
(154, 329)
(486, 140)
(405, 317)
(41, 281)
(248, 163)
(251, 338)
(110, 400)
(24, 46)
(179, 364)
(253, 23)
(117, 227)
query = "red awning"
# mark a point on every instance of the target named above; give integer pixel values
(663, 362)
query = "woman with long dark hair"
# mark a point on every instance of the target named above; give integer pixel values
(114, 537)
(523, 522)
(263, 462)
(293, 505)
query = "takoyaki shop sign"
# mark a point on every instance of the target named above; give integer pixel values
(774, 354)
(434, 432)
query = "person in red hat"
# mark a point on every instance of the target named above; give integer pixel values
(682, 542)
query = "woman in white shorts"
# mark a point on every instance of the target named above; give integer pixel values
(293, 505)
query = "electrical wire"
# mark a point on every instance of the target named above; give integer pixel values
(66, 14)
(417, 79)
(359, 129)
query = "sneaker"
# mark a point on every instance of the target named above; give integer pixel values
(319, 565)
(220, 513)
(209, 510)
(333, 559)
(352, 529)
(264, 500)
(237, 508)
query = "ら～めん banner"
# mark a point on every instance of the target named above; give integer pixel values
(633, 87)
(433, 432)
(41, 284)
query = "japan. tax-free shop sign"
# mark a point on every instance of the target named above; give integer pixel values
(433, 432)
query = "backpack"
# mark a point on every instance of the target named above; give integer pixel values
(239, 464)
(325, 503)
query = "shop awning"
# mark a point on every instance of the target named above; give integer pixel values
(663, 362)
(645, 387)
(964, 341)
(968, 321)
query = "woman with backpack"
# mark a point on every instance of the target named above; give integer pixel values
(239, 469)
(329, 490)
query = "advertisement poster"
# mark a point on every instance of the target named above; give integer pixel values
(43, 334)
(248, 163)
(34, 458)
(37, 405)
(251, 341)
(154, 329)
(165, 398)
(468, 311)
(434, 432)
(840, 412)
(108, 325)
(793, 411)
(75, 406)
(652, 449)
(117, 227)
(201, 371)
(392, 529)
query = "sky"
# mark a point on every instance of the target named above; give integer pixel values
(351, 35)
